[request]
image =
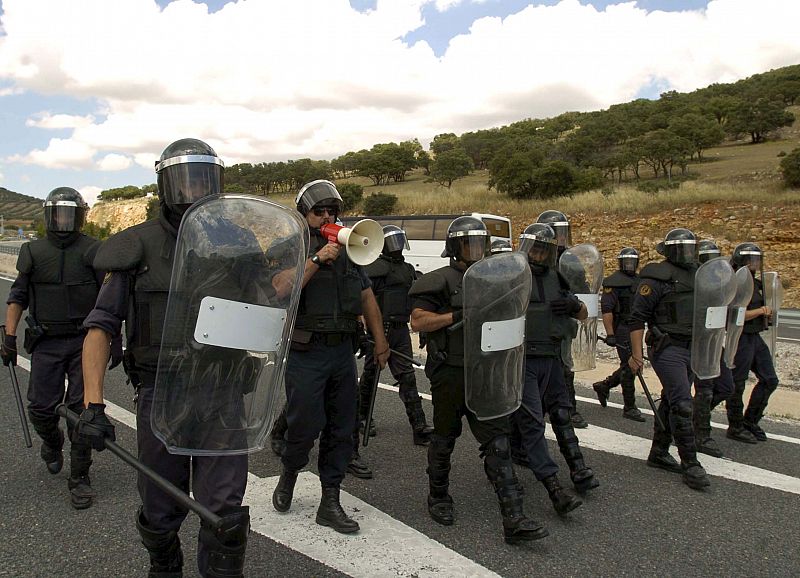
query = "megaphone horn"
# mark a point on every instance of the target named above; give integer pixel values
(363, 241)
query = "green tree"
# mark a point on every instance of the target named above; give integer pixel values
(443, 142)
(380, 204)
(97, 231)
(790, 168)
(701, 131)
(758, 118)
(153, 205)
(451, 165)
(351, 193)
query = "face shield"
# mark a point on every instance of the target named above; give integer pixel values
(681, 251)
(704, 255)
(563, 233)
(471, 246)
(628, 263)
(184, 180)
(319, 192)
(64, 216)
(751, 259)
(394, 241)
(540, 250)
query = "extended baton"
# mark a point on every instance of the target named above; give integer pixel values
(17, 396)
(163, 484)
(398, 354)
(643, 383)
(372, 395)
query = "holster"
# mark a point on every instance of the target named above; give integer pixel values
(301, 340)
(33, 334)
(436, 358)
(656, 339)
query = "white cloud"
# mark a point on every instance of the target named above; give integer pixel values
(114, 162)
(265, 81)
(90, 194)
(444, 5)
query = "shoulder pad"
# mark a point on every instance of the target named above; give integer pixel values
(120, 252)
(430, 283)
(619, 280)
(378, 268)
(659, 271)
(92, 246)
(24, 260)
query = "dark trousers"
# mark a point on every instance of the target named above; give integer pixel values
(217, 482)
(673, 367)
(752, 355)
(53, 359)
(720, 388)
(447, 393)
(529, 418)
(399, 340)
(321, 395)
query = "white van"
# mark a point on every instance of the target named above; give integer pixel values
(426, 234)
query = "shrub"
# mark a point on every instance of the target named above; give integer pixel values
(152, 209)
(351, 193)
(790, 167)
(380, 204)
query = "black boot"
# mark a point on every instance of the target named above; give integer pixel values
(52, 440)
(582, 476)
(53, 456)
(694, 475)
(440, 504)
(284, 490)
(80, 486)
(358, 468)
(662, 438)
(331, 514)
(497, 464)
(226, 544)
(629, 410)
(416, 416)
(756, 408)
(602, 388)
(166, 557)
(563, 502)
(701, 421)
(735, 409)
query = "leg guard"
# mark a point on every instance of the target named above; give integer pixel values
(497, 464)
(277, 437)
(416, 416)
(629, 411)
(694, 475)
(563, 502)
(701, 421)
(225, 546)
(440, 504)
(52, 441)
(80, 486)
(166, 557)
(582, 476)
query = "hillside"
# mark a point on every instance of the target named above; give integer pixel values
(17, 208)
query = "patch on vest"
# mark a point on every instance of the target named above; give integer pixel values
(645, 290)
(608, 289)
(107, 278)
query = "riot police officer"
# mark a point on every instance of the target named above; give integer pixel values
(751, 355)
(391, 279)
(321, 378)
(619, 289)
(500, 246)
(140, 261)
(708, 393)
(559, 222)
(437, 309)
(665, 301)
(547, 323)
(58, 285)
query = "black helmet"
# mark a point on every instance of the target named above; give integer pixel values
(538, 242)
(188, 170)
(319, 192)
(707, 250)
(748, 255)
(501, 246)
(64, 210)
(467, 240)
(559, 222)
(628, 260)
(394, 239)
(679, 247)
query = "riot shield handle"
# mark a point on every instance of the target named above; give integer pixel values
(163, 484)
(17, 396)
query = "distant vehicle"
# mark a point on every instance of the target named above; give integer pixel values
(32, 236)
(426, 234)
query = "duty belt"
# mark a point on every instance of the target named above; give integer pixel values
(680, 341)
(543, 349)
(62, 329)
(332, 339)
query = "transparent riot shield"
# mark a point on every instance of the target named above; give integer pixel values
(714, 289)
(496, 294)
(773, 298)
(736, 311)
(234, 291)
(582, 267)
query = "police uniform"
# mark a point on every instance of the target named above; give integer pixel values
(665, 301)
(753, 355)
(391, 279)
(58, 285)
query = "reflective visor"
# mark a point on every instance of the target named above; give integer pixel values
(540, 251)
(681, 250)
(186, 183)
(395, 241)
(628, 263)
(64, 216)
(563, 234)
(752, 260)
(472, 248)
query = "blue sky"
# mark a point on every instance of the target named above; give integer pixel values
(269, 81)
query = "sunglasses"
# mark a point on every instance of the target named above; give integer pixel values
(320, 211)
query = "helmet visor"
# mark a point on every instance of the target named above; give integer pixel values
(64, 216)
(188, 182)
(563, 233)
(540, 251)
(628, 263)
(707, 254)
(395, 241)
(471, 248)
(681, 251)
(753, 260)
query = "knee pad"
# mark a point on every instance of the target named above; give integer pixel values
(227, 543)
(560, 417)
(497, 446)
(683, 408)
(442, 444)
(771, 384)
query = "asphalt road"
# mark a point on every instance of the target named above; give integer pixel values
(641, 521)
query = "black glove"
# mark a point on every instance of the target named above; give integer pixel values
(116, 352)
(566, 305)
(8, 350)
(94, 427)
(611, 340)
(364, 346)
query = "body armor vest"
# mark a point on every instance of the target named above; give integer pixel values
(331, 300)
(674, 314)
(544, 331)
(757, 324)
(625, 287)
(63, 285)
(392, 297)
(450, 342)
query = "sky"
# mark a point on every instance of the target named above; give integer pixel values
(91, 91)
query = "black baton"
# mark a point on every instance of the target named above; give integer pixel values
(398, 354)
(23, 420)
(372, 395)
(163, 484)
